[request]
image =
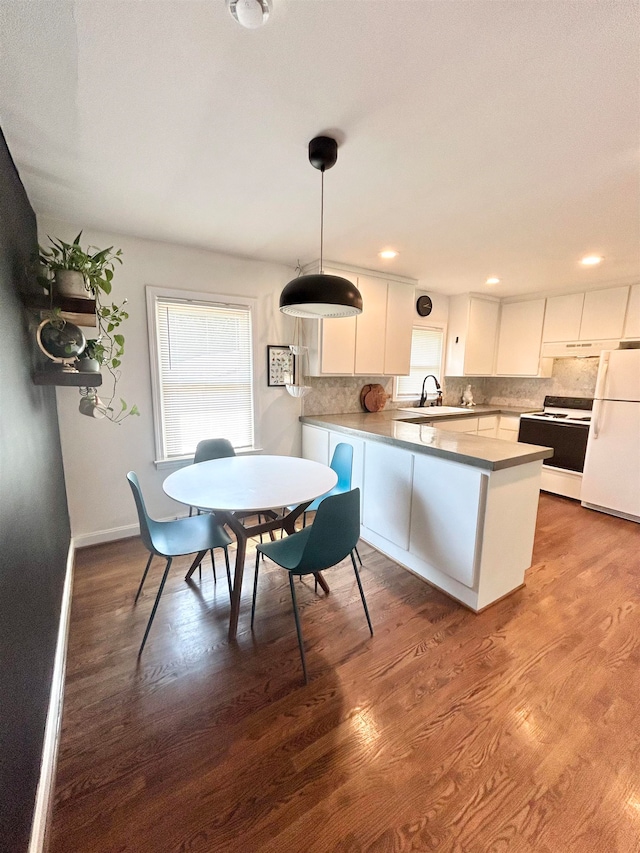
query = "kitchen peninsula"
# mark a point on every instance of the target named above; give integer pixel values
(456, 509)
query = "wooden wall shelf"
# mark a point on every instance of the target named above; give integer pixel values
(81, 312)
(86, 379)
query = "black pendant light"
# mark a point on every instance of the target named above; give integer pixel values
(319, 295)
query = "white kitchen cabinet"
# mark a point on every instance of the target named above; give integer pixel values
(388, 477)
(332, 342)
(375, 343)
(488, 426)
(562, 318)
(632, 321)
(520, 338)
(508, 427)
(471, 338)
(400, 316)
(466, 424)
(371, 327)
(603, 314)
(315, 444)
(433, 510)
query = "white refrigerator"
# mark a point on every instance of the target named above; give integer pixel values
(611, 479)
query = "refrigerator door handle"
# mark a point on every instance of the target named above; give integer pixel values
(597, 405)
(602, 377)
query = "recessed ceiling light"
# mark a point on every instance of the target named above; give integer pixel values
(591, 260)
(250, 13)
(388, 253)
(493, 281)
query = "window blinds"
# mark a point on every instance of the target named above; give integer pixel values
(205, 374)
(426, 357)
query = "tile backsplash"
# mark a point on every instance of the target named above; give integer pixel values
(571, 377)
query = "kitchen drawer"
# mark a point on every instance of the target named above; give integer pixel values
(458, 425)
(487, 422)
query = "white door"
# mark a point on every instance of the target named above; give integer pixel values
(619, 375)
(611, 476)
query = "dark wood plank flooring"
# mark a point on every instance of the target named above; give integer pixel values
(517, 729)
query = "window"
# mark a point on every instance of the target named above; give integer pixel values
(426, 357)
(202, 371)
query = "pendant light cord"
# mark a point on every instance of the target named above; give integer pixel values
(321, 218)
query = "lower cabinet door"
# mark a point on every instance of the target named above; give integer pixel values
(315, 444)
(444, 518)
(387, 492)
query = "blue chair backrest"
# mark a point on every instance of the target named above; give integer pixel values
(146, 523)
(342, 463)
(213, 448)
(334, 532)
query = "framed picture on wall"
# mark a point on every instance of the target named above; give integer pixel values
(281, 366)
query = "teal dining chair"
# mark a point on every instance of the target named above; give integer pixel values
(330, 539)
(171, 539)
(342, 464)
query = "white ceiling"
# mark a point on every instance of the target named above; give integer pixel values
(491, 137)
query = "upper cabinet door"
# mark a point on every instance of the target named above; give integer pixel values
(520, 338)
(603, 314)
(471, 336)
(632, 323)
(562, 318)
(371, 327)
(400, 312)
(481, 337)
(338, 345)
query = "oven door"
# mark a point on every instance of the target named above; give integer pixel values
(569, 441)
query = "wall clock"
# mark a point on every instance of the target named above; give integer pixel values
(424, 306)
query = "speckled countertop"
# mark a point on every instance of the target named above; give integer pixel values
(388, 427)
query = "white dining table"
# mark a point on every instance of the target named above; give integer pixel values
(239, 486)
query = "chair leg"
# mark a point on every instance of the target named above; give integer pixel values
(144, 577)
(226, 562)
(155, 606)
(255, 589)
(213, 566)
(298, 628)
(364, 601)
(358, 555)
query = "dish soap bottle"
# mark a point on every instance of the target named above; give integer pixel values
(467, 397)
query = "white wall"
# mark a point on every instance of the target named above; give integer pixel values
(439, 312)
(98, 454)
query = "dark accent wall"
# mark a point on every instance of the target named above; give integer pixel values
(34, 522)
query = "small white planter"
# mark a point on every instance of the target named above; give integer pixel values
(71, 283)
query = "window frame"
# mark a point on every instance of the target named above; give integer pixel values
(207, 298)
(433, 326)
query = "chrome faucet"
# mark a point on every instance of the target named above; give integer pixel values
(423, 395)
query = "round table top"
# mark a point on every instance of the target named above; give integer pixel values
(250, 483)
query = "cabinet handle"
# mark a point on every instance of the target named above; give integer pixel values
(602, 377)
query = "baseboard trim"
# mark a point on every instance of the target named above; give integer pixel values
(45, 790)
(112, 534)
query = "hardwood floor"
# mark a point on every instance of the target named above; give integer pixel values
(517, 729)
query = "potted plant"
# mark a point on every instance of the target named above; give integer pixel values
(95, 268)
(92, 356)
(79, 273)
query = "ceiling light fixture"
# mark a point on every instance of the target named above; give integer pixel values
(250, 14)
(591, 260)
(388, 253)
(319, 294)
(492, 281)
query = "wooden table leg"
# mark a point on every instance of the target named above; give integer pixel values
(196, 562)
(320, 578)
(241, 552)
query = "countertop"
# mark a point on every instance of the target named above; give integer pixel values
(492, 454)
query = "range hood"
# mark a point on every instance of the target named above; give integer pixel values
(577, 349)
